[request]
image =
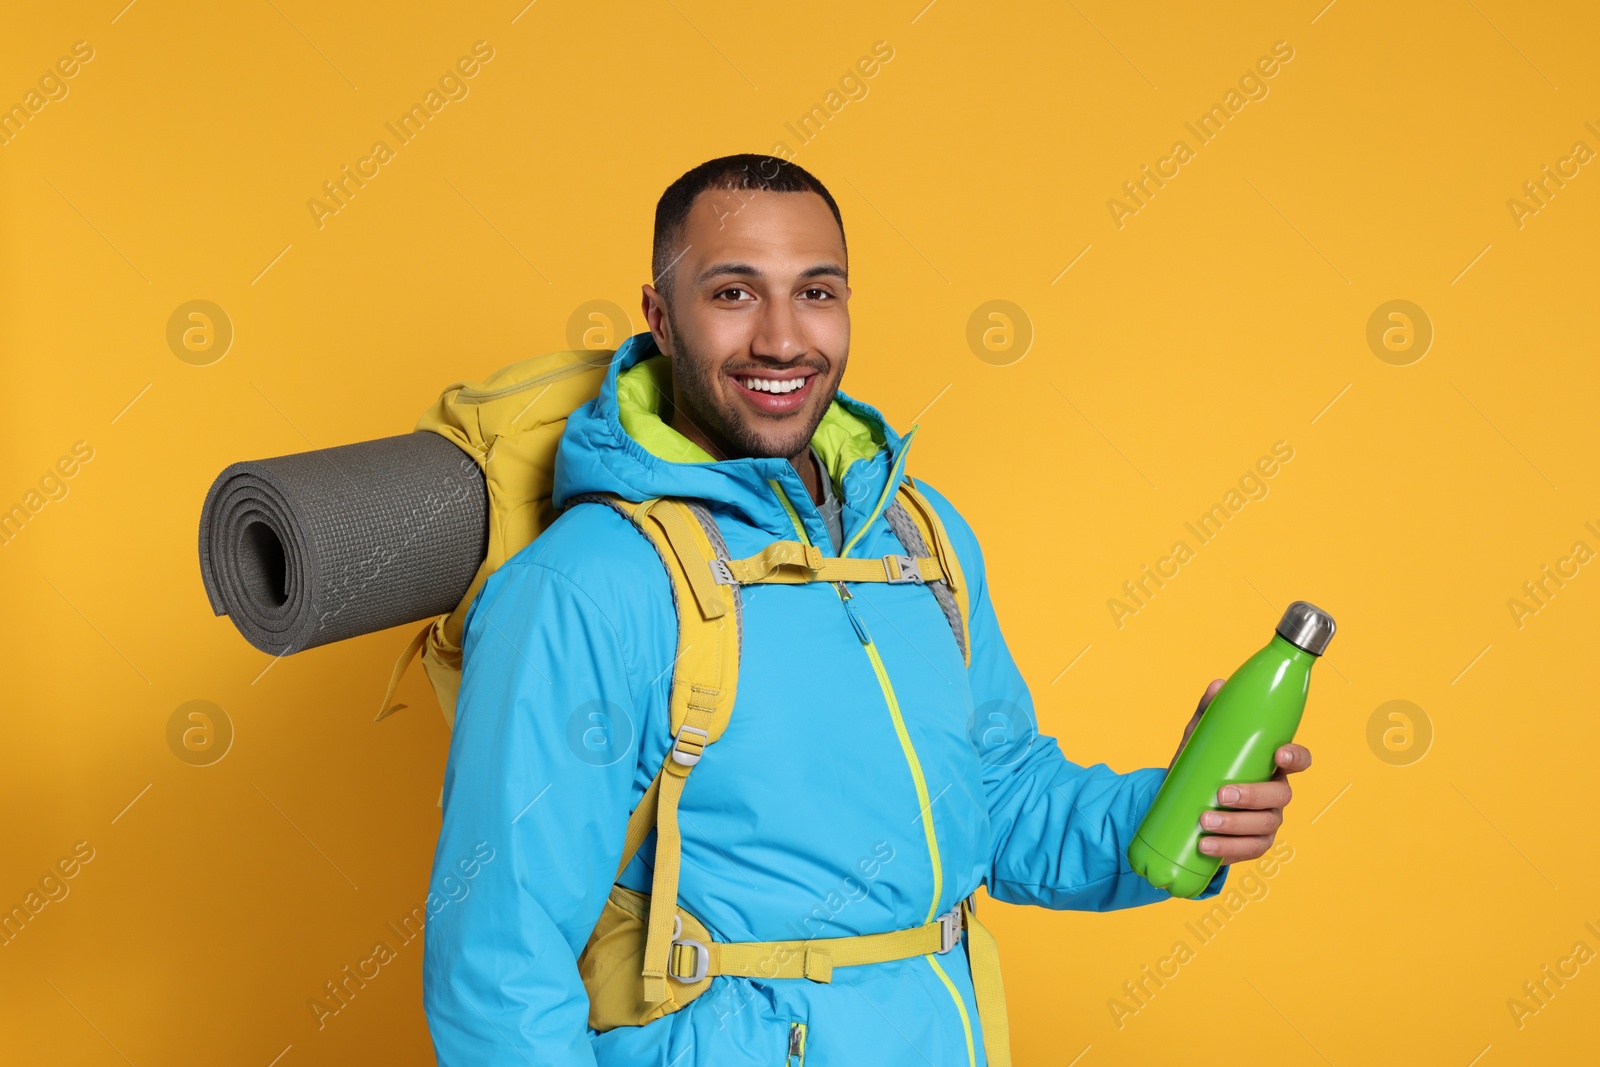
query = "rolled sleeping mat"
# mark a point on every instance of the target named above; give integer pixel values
(319, 546)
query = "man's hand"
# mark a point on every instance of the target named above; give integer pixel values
(1248, 830)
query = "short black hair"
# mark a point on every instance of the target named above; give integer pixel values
(746, 171)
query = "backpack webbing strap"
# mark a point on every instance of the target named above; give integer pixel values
(704, 681)
(389, 707)
(983, 959)
(815, 959)
(690, 549)
(793, 563)
(639, 825)
(687, 747)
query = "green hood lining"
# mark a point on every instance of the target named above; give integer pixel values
(841, 438)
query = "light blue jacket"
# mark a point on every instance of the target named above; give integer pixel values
(803, 820)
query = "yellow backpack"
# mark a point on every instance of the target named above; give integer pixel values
(511, 424)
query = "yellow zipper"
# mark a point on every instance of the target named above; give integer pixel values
(906, 746)
(484, 396)
(883, 497)
(961, 1006)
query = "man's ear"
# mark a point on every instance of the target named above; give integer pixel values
(654, 307)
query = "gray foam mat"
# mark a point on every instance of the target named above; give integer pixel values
(302, 550)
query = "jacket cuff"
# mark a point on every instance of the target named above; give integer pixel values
(1214, 886)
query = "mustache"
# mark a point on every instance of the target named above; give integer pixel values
(820, 368)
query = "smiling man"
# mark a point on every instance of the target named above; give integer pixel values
(882, 761)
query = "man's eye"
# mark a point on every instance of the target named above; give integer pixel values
(813, 294)
(735, 289)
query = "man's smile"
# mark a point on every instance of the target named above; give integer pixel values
(775, 393)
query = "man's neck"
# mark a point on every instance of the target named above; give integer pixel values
(810, 476)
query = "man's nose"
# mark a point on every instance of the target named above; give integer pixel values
(779, 335)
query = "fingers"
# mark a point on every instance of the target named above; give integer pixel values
(1259, 795)
(1235, 849)
(1211, 691)
(1293, 758)
(1242, 823)
(1233, 836)
(1248, 830)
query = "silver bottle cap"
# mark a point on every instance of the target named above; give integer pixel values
(1306, 627)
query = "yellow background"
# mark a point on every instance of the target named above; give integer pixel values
(1228, 314)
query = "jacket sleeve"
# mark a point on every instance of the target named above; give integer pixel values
(1061, 829)
(537, 793)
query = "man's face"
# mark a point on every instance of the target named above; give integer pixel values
(759, 325)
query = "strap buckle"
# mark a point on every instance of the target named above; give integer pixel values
(721, 573)
(950, 929)
(702, 955)
(687, 751)
(909, 569)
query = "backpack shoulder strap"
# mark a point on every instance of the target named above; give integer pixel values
(937, 542)
(704, 683)
(705, 674)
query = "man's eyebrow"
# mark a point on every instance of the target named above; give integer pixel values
(746, 270)
(826, 270)
(741, 269)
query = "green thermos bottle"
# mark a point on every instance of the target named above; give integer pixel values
(1256, 712)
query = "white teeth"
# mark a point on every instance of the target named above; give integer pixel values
(771, 385)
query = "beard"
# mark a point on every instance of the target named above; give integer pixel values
(730, 427)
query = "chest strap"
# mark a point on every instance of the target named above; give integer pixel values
(793, 563)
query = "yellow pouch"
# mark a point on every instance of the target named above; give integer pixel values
(611, 962)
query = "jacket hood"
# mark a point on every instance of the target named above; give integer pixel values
(618, 443)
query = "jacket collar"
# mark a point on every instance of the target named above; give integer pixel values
(618, 443)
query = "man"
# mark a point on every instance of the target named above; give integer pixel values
(851, 794)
